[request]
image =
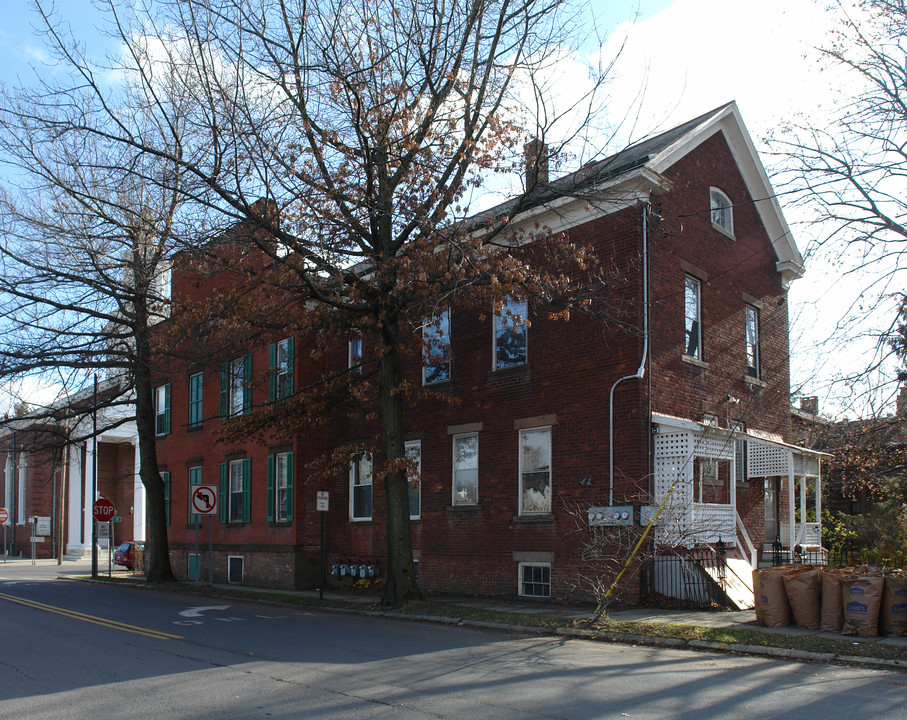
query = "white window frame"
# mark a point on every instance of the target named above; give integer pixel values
(692, 316)
(282, 369)
(721, 212)
(751, 338)
(522, 582)
(413, 450)
(539, 507)
(161, 410)
(457, 468)
(514, 318)
(436, 344)
(354, 353)
(360, 478)
(235, 496)
(236, 391)
(281, 484)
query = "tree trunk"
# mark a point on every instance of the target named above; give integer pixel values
(401, 583)
(157, 549)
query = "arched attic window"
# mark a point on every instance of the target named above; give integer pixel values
(722, 212)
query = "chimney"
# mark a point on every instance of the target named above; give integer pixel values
(535, 153)
(810, 404)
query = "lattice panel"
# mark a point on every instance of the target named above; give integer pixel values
(673, 444)
(714, 446)
(807, 466)
(767, 460)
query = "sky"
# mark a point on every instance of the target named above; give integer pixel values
(680, 58)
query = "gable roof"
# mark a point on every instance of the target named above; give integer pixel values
(647, 160)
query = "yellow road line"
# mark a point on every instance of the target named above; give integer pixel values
(75, 615)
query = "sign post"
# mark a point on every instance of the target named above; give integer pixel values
(4, 520)
(203, 501)
(322, 500)
(103, 511)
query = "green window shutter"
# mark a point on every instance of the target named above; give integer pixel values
(165, 476)
(246, 490)
(272, 376)
(271, 488)
(167, 409)
(247, 383)
(289, 487)
(224, 389)
(289, 366)
(222, 493)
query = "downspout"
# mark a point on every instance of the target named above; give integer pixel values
(641, 370)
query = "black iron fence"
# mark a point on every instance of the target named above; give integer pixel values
(684, 578)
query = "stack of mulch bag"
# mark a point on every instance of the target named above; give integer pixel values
(863, 601)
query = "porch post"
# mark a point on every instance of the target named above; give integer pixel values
(791, 490)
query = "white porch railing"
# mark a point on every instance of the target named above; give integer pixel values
(805, 534)
(713, 522)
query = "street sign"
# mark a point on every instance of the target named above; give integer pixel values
(4, 516)
(103, 510)
(116, 518)
(203, 500)
(103, 530)
(321, 501)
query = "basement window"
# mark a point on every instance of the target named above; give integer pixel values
(535, 580)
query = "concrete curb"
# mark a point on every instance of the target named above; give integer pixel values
(735, 648)
(594, 635)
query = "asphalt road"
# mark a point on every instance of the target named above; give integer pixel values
(77, 650)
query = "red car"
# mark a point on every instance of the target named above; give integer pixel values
(125, 554)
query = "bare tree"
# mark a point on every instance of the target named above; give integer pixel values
(355, 136)
(88, 223)
(850, 173)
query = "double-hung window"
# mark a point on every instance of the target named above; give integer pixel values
(692, 313)
(361, 487)
(162, 409)
(195, 400)
(510, 334)
(280, 487)
(236, 386)
(436, 348)
(195, 478)
(280, 360)
(414, 478)
(752, 342)
(535, 471)
(466, 469)
(234, 501)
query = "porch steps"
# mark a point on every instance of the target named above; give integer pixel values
(738, 583)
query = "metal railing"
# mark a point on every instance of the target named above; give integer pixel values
(679, 577)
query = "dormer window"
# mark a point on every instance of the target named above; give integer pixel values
(722, 212)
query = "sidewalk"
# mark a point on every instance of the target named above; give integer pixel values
(19, 569)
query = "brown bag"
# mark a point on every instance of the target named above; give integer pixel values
(832, 614)
(802, 588)
(893, 614)
(861, 596)
(757, 605)
(772, 598)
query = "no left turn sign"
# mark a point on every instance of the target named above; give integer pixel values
(203, 500)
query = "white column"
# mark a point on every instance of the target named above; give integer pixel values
(90, 494)
(74, 500)
(138, 508)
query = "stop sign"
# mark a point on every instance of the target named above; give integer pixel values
(4, 515)
(103, 510)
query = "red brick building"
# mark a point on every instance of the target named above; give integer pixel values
(553, 419)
